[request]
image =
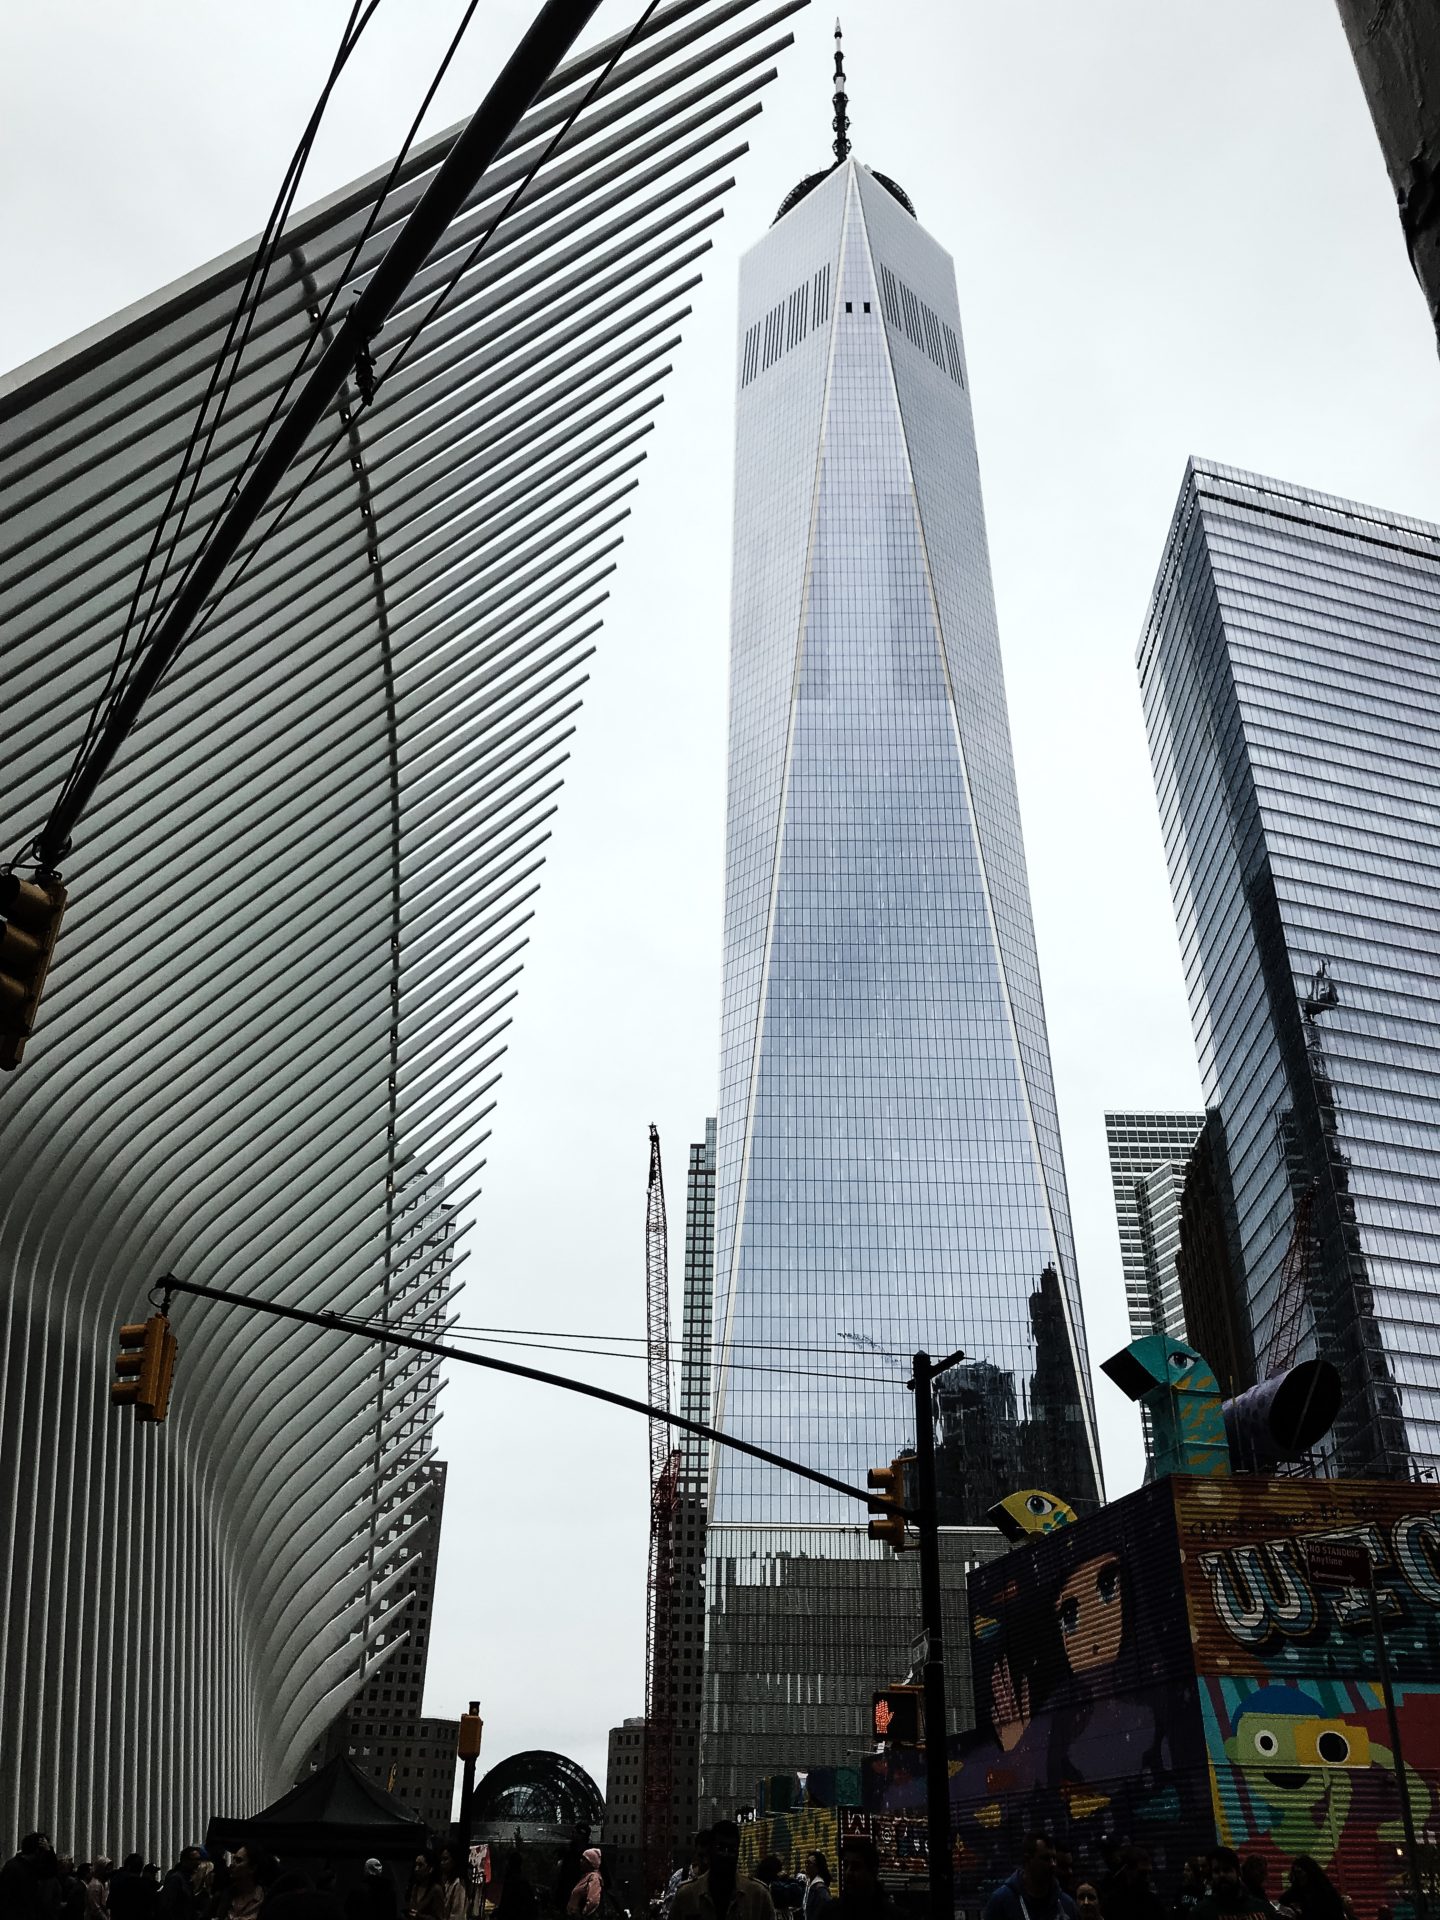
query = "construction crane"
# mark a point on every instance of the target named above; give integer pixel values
(660, 1665)
(1292, 1294)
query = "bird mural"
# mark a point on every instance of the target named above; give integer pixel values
(1178, 1389)
(1024, 1515)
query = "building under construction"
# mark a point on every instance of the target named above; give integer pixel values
(652, 1786)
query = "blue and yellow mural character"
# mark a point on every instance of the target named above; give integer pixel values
(1295, 1766)
(1178, 1389)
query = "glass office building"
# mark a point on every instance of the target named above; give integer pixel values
(888, 1167)
(1148, 1153)
(1291, 673)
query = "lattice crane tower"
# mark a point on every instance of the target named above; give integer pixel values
(659, 1772)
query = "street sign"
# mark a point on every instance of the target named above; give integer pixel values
(1337, 1563)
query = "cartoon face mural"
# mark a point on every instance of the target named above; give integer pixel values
(1090, 1612)
(1296, 1761)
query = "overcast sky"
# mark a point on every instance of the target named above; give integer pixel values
(1173, 233)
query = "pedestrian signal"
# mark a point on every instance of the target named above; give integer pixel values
(890, 1528)
(897, 1717)
(30, 914)
(145, 1367)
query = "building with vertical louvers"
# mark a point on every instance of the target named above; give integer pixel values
(299, 903)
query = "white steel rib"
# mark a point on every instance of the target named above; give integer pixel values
(269, 1046)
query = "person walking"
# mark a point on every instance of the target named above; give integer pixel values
(722, 1892)
(1228, 1893)
(784, 1891)
(1032, 1892)
(861, 1895)
(518, 1899)
(177, 1889)
(1312, 1894)
(374, 1898)
(30, 1881)
(1087, 1900)
(1129, 1893)
(73, 1901)
(817, 1886)
(97, 1886)
(454, 1887)
(1254, 1875)
(423, 1898)
(589, 1889)
(242, 1895)
(132, 1893)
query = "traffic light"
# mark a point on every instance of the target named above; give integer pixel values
(31, 911)
(896, 1716)
(891, 1528)
(145, 1367)
(472, 1726)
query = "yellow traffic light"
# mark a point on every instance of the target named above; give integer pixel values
(891, 1528)
(145, 1367)
(471, 1728)
(31, 911)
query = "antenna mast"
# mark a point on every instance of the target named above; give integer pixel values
(841, 121)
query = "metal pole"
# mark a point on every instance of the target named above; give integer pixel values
(937, 1763)
(550, 36)
(1382, 1661)
(391, 1337)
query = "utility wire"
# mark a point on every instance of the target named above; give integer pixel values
(392, 366)
(835, 1350)
(243, 317)
(317, 330)
(342, 1323)
(733, 1366)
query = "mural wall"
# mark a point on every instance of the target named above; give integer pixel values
(1167, 1671)
(1296, 1735)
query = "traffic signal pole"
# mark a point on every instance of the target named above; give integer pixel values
(938, 1848)
(390, 1336)
(922, 1513)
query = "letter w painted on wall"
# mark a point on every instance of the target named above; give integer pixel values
(1259, 1593)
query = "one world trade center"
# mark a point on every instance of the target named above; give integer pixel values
(889, 1174)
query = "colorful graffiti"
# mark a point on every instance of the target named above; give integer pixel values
(1167, 1670)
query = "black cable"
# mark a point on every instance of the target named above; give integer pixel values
(730, 1366)
(521, 189)
(343, 1323)
(394, 364)
(342, 277)
(246, 308)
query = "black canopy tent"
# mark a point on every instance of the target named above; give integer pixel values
(337, 1818)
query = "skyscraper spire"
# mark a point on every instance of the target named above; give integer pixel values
(841, 121)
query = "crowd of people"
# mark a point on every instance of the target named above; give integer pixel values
(1047, 1885)
(1050, 1885)
(710, 1886)
(249, 1884)
(41, 1884)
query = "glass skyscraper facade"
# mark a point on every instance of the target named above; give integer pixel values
(1148, 1153)
(888, 1166)
(1291, 674)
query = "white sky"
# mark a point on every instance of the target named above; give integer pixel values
(1173, 233)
